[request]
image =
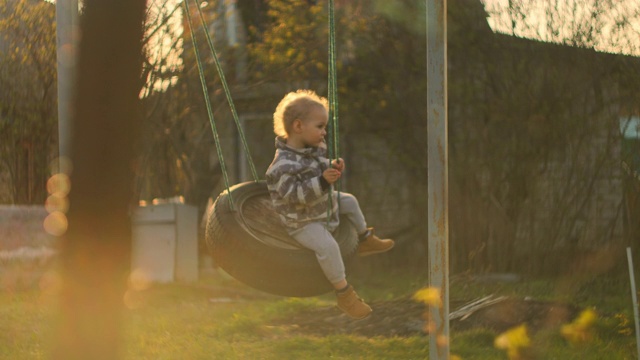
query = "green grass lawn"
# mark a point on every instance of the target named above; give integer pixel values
(182, 322)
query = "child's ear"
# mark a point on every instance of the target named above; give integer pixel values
(297, 125)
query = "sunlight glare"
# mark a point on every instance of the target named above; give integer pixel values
(132, 299)
(50, 285)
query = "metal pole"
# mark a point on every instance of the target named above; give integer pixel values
(438, 191)
(95, 254)
(66, 16)
(634, 298)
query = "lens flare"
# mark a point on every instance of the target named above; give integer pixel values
(56, 223)
(55, 202)
(139, 280)
(59, 184)
(50, 285)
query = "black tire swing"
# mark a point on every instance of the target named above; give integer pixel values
(250, 244)
(243, 233)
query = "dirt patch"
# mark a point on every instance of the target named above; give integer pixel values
(401, 317)
(405, 317)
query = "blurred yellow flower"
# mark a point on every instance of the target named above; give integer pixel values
(623, 325)
(429, 296)
(580, 330)
(586, 318)
(513, 341)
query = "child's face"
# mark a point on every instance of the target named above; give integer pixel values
(314, 128)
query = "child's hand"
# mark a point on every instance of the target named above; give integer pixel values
(331, 175)
(338, 164)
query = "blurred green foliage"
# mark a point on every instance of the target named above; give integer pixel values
(28, 118)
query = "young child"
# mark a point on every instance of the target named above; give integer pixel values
(299, 180)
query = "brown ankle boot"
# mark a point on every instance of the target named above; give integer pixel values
(374, 245)
(352, 305)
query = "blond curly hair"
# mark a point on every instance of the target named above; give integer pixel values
(295, 105)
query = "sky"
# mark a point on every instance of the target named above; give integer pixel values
(615, 28)
(166, 54)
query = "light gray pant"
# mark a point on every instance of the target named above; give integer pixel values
(317, 237)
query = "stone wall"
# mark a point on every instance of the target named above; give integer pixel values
(27, 252)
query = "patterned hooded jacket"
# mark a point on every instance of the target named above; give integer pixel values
(297, 193)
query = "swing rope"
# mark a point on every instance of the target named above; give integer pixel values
(333, 87)
(208, 103)
(227, 92)
(333, 102)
